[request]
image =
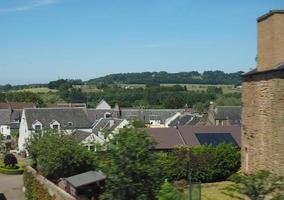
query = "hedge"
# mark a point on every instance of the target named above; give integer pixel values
(11, 171)
(34, 189)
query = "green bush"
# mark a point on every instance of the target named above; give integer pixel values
(169, 192)
(35, 190)
(204, 163)
(259, 186)
(10, 160)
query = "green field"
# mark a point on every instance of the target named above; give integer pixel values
(190, 87)
(37, 90)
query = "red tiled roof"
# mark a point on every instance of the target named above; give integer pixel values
(17, 105)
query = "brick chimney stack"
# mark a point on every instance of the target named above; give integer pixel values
(270, 40)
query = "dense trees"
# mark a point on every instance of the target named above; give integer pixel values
(128, 162)
(58, 155)
(21, 97)
(207, 77)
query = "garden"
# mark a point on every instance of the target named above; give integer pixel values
(10, 165)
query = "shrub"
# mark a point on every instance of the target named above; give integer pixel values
(10, 160)
(11, 171)
(206, 163)
(169, 192)
(259, 186)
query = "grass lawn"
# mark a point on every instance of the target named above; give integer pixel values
(217, 191)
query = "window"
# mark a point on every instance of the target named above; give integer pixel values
(107, 115)
(37, 127)
(70, 123)
(56, 126)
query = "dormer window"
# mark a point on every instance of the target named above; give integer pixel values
(107, 115)
(70, 123)
(37, 126)
(55, 125)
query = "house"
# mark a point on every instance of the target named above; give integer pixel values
(10, 116)
(84, 186)
(61, 119)
(102, 130)
(103, 105)
(153, 117)
(169, 138)
(225, 115)
(5, 115)
(149, 116)
(186, 119)
(67, 105)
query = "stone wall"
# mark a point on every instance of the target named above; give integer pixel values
(53, 189)
(263, 124)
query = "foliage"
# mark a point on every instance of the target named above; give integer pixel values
(169, 192)
(207, 77)
(207, 163)
(21, 97)
(128, 162)
(58, 155)
(10, 160)
(34, 189)
(66, 83)
(138, 124)
(259, 185)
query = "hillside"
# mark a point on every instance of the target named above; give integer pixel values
(207, 77)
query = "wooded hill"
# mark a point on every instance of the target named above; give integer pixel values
(194, 77)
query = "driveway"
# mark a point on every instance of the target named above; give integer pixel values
(11, 187)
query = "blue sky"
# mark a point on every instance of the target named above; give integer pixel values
(42, 40)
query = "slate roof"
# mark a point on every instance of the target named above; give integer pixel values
(271, 12)
(148, 114)
(5, 116)
(170, 138)
(80, 135)
(186, 119)
(95, 114)
(77, 116)
(278, 67)
(105, 123)
(232, 113)
(86, 178)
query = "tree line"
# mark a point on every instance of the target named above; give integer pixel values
(194, 77)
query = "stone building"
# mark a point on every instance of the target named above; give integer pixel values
(263, 100)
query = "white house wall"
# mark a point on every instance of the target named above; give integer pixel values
(5, 130)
